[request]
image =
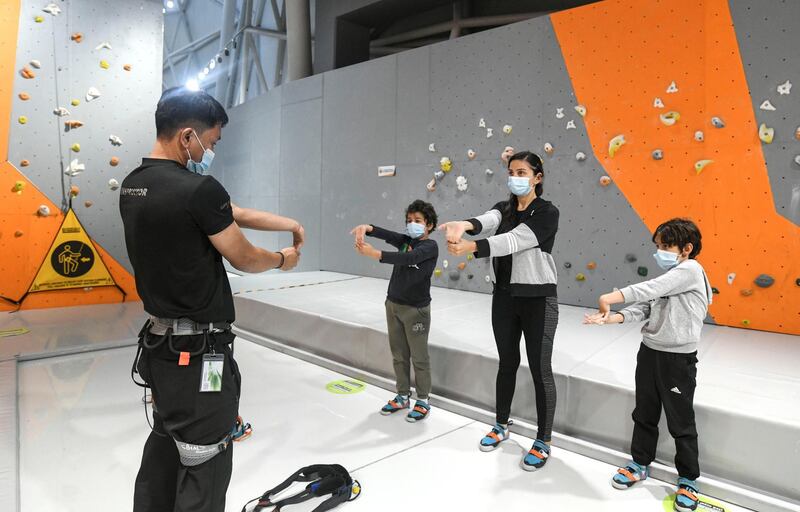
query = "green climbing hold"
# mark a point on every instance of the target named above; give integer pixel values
(715, 291)
(642, 271)
(764, 281)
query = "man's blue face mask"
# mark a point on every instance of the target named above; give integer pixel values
(203, 165)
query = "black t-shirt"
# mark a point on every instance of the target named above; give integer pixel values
(168, 213)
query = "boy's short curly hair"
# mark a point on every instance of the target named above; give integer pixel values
(426, 209)
(680, 232)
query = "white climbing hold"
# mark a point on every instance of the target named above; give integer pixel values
(115, 141)
(74, 168)
(658, 103)
(489, 133)
(548, 148)
(580, 156)
(488, 279)
(113, 184)
(444, 263)
(767, 105)
(432, 147)
(581, 110)
(438, 175)
(797, 159)
(431, 186)
(471, 154)
(717, 122)
(701, 164)
(490, 172)
(461, 183)
(766, 133)
(61, 112)
(699, 136)
(731, 277)
(43, 211)
(482, 123)
(785, 88)
(104, 45)
(559, 112)
(52, 9)
(669, 118)
(92, 94)
(36, 64)
(507, 129)
(571, 125)
(673, 88)
(507, 153)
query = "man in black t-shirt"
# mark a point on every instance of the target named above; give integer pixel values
(179, 225)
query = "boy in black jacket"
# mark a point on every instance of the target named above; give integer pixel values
(408, 309)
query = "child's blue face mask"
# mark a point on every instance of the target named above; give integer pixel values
(415, 230)
(203, 165)
(666, 259)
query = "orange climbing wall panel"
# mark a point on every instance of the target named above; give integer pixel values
(20, 256)
(620, 55)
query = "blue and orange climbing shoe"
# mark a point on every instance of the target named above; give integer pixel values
(497, 435)
(629, 475)
(398, 403)
(536, 457)
(419, 412)
(686, 499)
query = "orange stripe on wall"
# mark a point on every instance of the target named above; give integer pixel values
(620, 55)
(9, 24)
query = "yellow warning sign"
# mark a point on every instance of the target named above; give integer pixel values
(72, 261)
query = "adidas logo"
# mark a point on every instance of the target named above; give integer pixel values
(676, 390)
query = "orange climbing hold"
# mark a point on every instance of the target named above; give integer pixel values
(73, 124)
(74, 191)
(77, 37)
(462, 265)
(746, 292)
(24, 96)
(18, 233)
(126, 67)
(605, 181)
(27, 73)
(24, 163)
(114, 161)
(591, 265)
(88, 204)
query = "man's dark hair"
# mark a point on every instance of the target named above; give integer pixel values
(180, 107)
(427, 211)
(680, 232)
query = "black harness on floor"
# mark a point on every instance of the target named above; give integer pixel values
(324, 479)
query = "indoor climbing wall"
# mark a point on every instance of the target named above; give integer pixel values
(81, 97)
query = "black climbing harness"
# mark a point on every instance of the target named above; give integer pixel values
(324, 479)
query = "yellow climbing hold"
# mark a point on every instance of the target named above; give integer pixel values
(670, 118)
(75, 103)
(18, 187)
(104, 64)
(469, 257)
(766, 133)
(437, 272)
(76, 148)
(39, 19)
(580, 277)
(445, 164)
(23, 119)
(701, 164)
(746, 322)
(614, 145)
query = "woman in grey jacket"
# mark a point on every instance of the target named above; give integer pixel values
(522, 232)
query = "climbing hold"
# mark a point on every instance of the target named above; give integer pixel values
(74, 191)
(669, 118)
(70, 125)
(18, 233)
(75, 103)
(52, 9)
(43, 210)
(114, 161)
(61, 112)
(77, 37)
(471, 154)
(444, 164)
(559, 113)
(701, 164)
(580, 277)
(580, 109)
(658, 103)
(746, 292)
(76, 148)
(548, 148)
(571, 125)
(470, 276)
(74, 168)
(717, 122)
(489, 133)
(18, 187)
(797, 133)
(116, 141)
(24, 96)
(715, 291)
(580, 156)
(482, 123)
(765, 133)
(630, 258)
(766, 105)
(614, 145)
(658, 154)
(36, 64)
(431, 186)
(673, 88)
(764, 281)
(432, 147)
(104, 64)
(642, 271)
(488, 279)
(437, 272)
(113, 184)
(507, 153)
(462, 265)
(469, 257)
(445, 263)
(438, 175)
(454, 275)
(731, 277)
(746, 322)
(92, 94)
(490, 172)
(605, 181)
(461, 183)
(785, 88)
(24, 163)
(591, 265)
(797, 281)
(38, 19)
(507, 129)
(126, 67)
(797, 159)
(22, 119)
(104, 45)
(698, 136)
(27, 73)
(88, 204)
(567, 264)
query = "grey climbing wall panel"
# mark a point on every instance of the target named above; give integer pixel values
(69, 69)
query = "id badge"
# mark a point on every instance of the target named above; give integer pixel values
(211, 377)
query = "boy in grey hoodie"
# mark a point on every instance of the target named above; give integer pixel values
(674, 306)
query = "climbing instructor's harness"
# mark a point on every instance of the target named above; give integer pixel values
(324, 479)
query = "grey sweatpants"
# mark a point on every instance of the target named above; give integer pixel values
(408, 339)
